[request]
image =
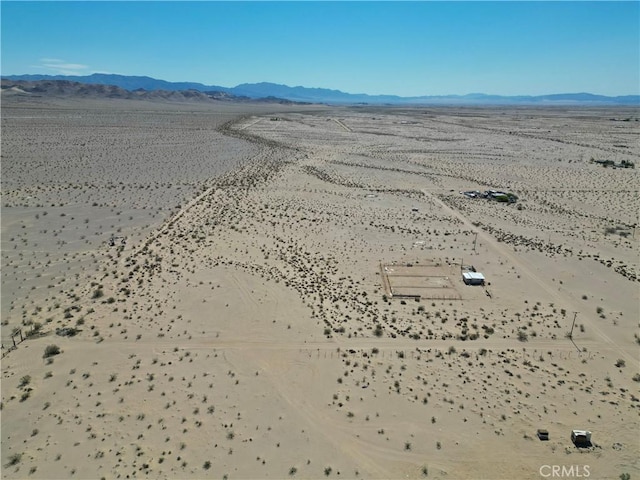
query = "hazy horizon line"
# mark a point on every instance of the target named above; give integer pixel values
(324, 88)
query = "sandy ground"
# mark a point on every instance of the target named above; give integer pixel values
(244, 329)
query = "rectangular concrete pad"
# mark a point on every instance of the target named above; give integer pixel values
(428, 281)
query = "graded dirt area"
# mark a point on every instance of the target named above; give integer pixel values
(429, 281)
(241, 330)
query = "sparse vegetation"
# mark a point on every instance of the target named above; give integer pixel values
(24, 381)
(378, 331)
(98, 293)
(14, 459)
(51, 350)
(307, 256)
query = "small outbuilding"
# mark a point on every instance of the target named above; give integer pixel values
(473, 278)
(581, 438)
(543, 434)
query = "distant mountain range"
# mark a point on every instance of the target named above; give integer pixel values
(72, 89)
(141, 86)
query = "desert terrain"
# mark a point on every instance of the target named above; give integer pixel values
(275, 291)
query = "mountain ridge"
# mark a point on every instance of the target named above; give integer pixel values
(325, 95)
(72, 89)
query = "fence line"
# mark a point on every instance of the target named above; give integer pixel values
(14, 343)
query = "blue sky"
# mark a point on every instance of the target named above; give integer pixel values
(402, 48)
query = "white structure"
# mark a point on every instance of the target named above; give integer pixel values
(473, 278)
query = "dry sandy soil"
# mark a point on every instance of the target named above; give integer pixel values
(243, 329)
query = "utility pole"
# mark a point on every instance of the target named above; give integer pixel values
(475, 241)
(575, 314)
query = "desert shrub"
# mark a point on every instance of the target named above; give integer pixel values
(378, 330)
(98, 293)
(51, 350)
(14, 459)
(24, 381)
(35, 328)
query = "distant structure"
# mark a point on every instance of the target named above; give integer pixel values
(581, 438)
(611, 163)
(112, 240)
(473, 278)
(496, 195)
